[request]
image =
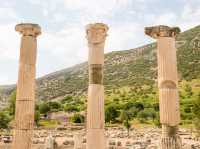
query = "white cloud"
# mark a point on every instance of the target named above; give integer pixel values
(125, 36)
(190, 14)
(9, 49)
(67, 45)
(7, 13)
(96, 8)
(166, 18)
(58, 17)
(45, 12)
(66, 48)
(8, 41)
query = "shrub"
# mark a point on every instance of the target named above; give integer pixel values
(111, 113)
(4, 119)
(37, 117)
(196, 113)
(71, 108)
(44, 108)
(77, 118)
(67, 99)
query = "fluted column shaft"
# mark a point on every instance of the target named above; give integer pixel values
(168, 84)
(168, 81)
(25, 100)
(78, 141)
(96, 35)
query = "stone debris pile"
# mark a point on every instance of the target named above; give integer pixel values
(116, 138)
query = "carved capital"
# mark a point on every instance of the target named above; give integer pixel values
(96, 33)
(162, 31)
(28, 29)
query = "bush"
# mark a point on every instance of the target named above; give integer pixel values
(44, 108)
(71, 108)
(55, 106)
(77, 118)
(67, 99)
(148, 113)
(111, 113)
(196, 113)
(4, 119)
(157, 120)
(37, 117)
(12, 101)
(188, 90)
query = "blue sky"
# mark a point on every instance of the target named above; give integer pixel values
(63, 44)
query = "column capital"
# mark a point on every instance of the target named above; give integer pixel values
(96, 33)
(162, 31)
(28, 29)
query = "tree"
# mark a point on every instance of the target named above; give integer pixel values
(12, 101)
(125, 118)
(152, 113)
(44, 108)
(188, 90)
(127, 124)
(4, 119)
(156, 106)
(196, 107)
(111, 113)
(196, 113)
(139, 106)
(133, 112)
(37, 117)
(157, 120)
(143, 115)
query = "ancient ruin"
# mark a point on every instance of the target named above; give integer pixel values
(25, 100)
(168, 84)
(96, 136)
(78, 141)
(96, 36)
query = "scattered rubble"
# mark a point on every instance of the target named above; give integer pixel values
(145, 138)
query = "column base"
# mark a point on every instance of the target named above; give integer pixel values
(22, 139)
(78, 141)
(95, 139)
(170, 138)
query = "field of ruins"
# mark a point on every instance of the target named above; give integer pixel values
(96, 94)
(94, 134)
(116, 138)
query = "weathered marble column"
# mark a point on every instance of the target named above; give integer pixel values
(168, 84)
(25, 100)
(78, 141)
(96, 36)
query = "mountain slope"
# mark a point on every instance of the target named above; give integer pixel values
(134, 67)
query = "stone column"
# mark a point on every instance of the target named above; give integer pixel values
(96, 36)
(168, 84)
(25, 100)
(78, 141)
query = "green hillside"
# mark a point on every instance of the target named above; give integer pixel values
(130, 83)
(134, 67)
